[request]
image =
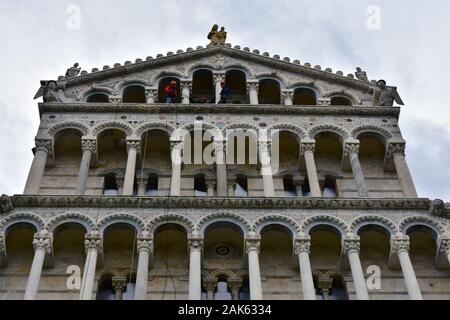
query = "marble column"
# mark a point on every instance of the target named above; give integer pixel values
(235, 286)
(119, 285)
(42, 244)
(142, 187)
(351, 151)
(218, 78)
(195, 243)
(144, 248)
(266, 168)
(400, 246)
(231, 188)
(288, 98)
(186, 88)
(221, 169)
(252, 247)
(302, 249)
(128, 187)
(176, 154)
(252, 89)
(210, 286)
(396, 151)
(351, 247)
(210, 188)
(88, 147)
(151, 95)
(307, 150)
(42, 149)
(94, 245)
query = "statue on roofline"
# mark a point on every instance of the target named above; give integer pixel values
(388, 95)
(73, 71)
(361, 75)
(217, 37)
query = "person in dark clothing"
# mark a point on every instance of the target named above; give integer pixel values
(225, 93)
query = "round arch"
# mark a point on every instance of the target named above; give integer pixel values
(360, 222)
(315, 130)
(121, 218)
(76, 218)
(234, 219)
(118, 125)
(26, 218)
(280, 220)
(324, 220)
(82, 128)
(175, 219)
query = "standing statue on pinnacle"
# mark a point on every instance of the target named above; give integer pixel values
(217, 37)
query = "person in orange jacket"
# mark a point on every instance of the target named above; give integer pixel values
(170, 92)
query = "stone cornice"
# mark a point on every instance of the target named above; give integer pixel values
(218, 109)
(22, 201)
(228, 51)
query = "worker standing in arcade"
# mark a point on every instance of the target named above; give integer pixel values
(170, 92)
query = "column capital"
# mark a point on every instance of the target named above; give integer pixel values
(133, 144)
(324, 284)
(307, 146)
(396, 148)
(218, 76)
(400, 243)
(253, 243)
(151, 93)
(302, 244)
(252, 86)
(235, 285)
(176, 145)
(119, 283)
(144, 244)
(265, 147)
(351, 147)
(93, 241)
(186, 84)
(114, 99)
(195, 242)
(351, 243)
(289, 94)
(43, 241)
(89, 145)
(210, 284)
(445, 246)
(43, 145)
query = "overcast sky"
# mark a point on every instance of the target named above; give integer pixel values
(404, 42)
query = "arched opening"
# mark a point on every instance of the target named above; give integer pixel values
(67, 150)
(325, 247)
(69, 251)
(305, 97)
(134, 94)
(171, 262)
(244, 292)
(338, 290)
(276, 261)
(269, 92)
(223, 292)
(375, 248)
(203, 87)
(372, 150)
(289, 188)
(98, 98)
(19, 254)
(152, 185)
(110, 187)
(340, 101)
(236, 80)
(329, 189)
(306, 190)
(156, 162)
(112, 150)
(163, 84)
(328, 156)
(288, 145)
(241, 186)
(200, 188)
(105, 289)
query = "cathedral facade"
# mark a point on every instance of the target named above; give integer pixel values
(294, 185)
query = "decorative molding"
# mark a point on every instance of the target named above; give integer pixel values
(33, 201)
(370, 128)
(217, 109)
(384, 222)
(350, 243)
(312, 132)
(83, 128)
